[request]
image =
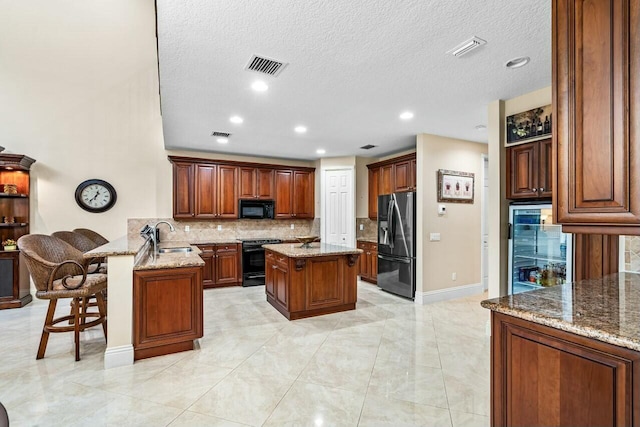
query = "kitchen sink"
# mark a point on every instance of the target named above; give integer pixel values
(174, 250)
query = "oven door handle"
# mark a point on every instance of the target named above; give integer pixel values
(254, 276)
(253, 250)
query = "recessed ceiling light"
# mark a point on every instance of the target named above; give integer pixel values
(300, 129)
(236, 119)
(259, 86)
(518, 62)
(222, 140)
(407, 115)
(481, 127)
(321, 151)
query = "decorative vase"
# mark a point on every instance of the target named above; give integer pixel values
(10, 248)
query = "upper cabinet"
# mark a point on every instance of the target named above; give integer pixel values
(256, 183)
(596, 96)
(207, 189)
(295, 190)
(529, 170)
(390, 176)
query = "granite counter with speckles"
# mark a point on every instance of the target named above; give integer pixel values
(295, 250)
(606, 309)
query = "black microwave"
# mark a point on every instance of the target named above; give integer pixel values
(256, 209)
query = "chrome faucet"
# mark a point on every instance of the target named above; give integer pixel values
(154, 233)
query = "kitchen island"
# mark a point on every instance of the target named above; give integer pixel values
(567, 355)
(311, 281)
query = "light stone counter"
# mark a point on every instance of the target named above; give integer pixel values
(294, 250)
(606, 309)
(368, 240)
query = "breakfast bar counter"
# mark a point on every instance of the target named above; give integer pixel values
(310, 281)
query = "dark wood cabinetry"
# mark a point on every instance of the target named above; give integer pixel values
(529, 168)
(167, 310)
(390, 176)
(544, 376)
(256, 183)
(368, 263)
(222, 265)
(596, 96)
(294, 193)
(14, 223)
(206, 189)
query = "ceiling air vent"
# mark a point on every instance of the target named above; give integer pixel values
(261, 64)
(221, 134)
(466, 46)
(367, 147)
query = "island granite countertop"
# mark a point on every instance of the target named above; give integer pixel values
(294, 250)
(606, 309)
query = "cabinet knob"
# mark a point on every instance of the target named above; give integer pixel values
(273, 266)
(541, 189)
(534, 190)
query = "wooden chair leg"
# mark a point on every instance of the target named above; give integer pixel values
(102, 308)
(48, 321)
(76, 326)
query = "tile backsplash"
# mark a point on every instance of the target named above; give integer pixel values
(200, 231)
(370, 229)
(632, 253)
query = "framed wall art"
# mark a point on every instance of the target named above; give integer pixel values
(455, 187)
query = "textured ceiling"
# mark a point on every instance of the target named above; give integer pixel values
(354, 66)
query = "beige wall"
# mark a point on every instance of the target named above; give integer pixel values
(498, 205)
(459, 249)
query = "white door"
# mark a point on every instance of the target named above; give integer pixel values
(485, 229)
(338, 220)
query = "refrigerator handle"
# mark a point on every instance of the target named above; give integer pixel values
(509, 231)
(390, 227)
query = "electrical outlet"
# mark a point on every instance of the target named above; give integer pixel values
(434, 237)
(361, 227)
(219, 228)
(454, 276)
(293, 226)
(187, 228)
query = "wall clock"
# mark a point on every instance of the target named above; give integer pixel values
(95, 195)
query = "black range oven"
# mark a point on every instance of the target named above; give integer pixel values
(253, 260)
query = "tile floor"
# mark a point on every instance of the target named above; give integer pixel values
(388, 363)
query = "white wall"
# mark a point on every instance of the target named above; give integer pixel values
(459, 250)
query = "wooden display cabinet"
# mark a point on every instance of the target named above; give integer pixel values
(14, 223)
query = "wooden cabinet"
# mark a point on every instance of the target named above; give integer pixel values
(256, 183)
(295, 192)
(167, 310)
(14, 223)
(222, 265)
(304, 287)
(204, 189)
(596, 95)
(390, 176)
(368, 264)
(529, 170)
(544, 376)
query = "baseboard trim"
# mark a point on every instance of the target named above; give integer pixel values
(115, 357)
(449, 293)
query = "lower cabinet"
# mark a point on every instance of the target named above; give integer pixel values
(14, 280)
(167, 310)
(221, 265)
(368, 264)
(544, 376)
(276, 269)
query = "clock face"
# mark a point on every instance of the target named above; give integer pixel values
(95, 195)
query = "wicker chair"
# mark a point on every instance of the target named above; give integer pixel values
(97, 238)
(83, 244)
(4, 417)
(58, 271)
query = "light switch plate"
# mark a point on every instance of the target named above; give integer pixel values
(361, 227)
(293, 226)
(187, 228)
(219, 228)
(434, 237)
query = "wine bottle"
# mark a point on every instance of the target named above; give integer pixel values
(547, 125)
(527, 130)
(539, 127)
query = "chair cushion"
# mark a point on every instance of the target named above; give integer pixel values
(94, 283)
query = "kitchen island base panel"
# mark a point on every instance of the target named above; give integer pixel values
(163, 350)
(309, 313)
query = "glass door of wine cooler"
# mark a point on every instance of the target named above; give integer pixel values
(539, 252)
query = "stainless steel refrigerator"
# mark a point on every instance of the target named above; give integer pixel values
(540, 253)
(397, 243)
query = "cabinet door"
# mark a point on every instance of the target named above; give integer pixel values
(227, 192)
(247, 183)
(402, 176)
(284, 186)
(363, 264)
(303, 194)
(269, 266)
(227, 260)
(280, 285)
(374, 184)
(522, 171)
(374, 263)
(386, 180)
(183, 190)
(208, 271)
(596, 71)
(545, 168)
(205, 191)
(264, 184)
